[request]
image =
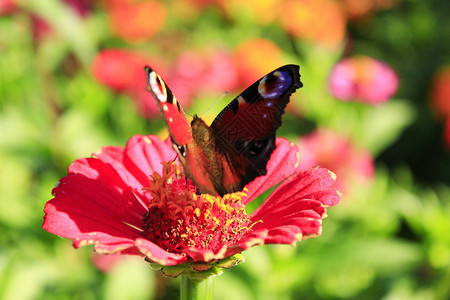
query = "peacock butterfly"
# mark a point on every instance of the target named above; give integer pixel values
(234, 150)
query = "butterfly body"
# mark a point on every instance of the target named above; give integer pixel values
(234, 150)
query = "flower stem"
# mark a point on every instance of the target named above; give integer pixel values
(197, 289)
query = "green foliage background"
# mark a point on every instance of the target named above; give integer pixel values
(390, 241)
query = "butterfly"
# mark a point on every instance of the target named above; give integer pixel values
(234, 150)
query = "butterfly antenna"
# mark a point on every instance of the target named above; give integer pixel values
(209, 108)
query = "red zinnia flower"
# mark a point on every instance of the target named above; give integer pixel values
(124, 201)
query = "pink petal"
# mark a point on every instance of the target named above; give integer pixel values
(295, 209)
(95, 191)
(315, 183)
(143, 156)
(205, 255)
(155, 254)
(106, 263)
(93, 197)
(282, 164)
(253, 238)
(105, 243)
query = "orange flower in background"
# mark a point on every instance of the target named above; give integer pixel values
(204, 3)
(440, 92)
(361, 8)
(319, 21)
(136, 21)
(255, 57)
(261, 12)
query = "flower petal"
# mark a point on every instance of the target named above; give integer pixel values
(315, 183)
(253, 238)
(156, 254)
(142, 156)
(93, 198)
(282, 164)
(295, 209)
(106, 244)
(206, 255)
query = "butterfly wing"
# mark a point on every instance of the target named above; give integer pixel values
(197, 159)
(173, 114)
(245, 130)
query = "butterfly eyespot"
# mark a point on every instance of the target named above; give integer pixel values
(252, 148)
(256, 147)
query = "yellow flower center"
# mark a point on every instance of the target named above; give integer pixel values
(178, 218)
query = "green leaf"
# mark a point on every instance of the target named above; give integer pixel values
(383, 124)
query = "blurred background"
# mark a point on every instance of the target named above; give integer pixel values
(375, 109)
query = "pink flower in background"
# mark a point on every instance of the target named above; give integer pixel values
(325, 148)
(7, 7)
(82, 7)
(41, 28)
(207, 70)
(363, 79)
(106, 263)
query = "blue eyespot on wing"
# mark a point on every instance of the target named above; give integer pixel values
(275, 84)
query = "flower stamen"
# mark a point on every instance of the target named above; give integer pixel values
(178, 218)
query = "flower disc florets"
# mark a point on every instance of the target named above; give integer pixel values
(178, 218)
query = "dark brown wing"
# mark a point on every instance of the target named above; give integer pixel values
(245, 130)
